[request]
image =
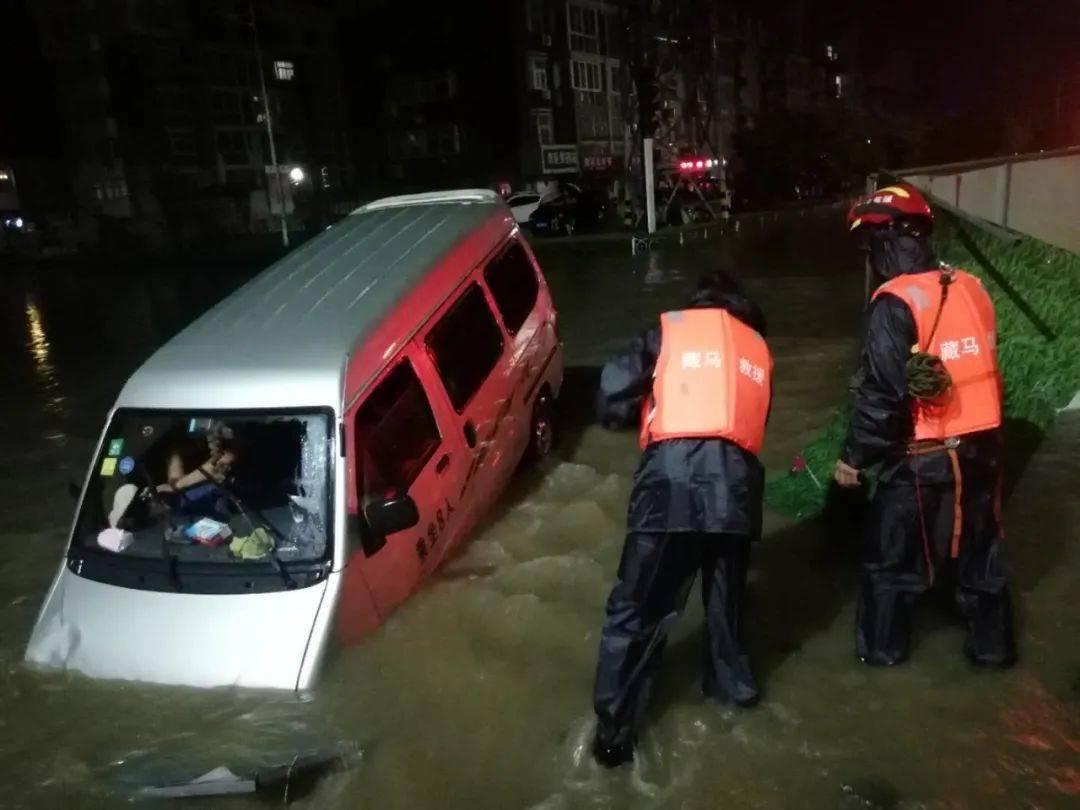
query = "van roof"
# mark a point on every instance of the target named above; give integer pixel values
(284, 338)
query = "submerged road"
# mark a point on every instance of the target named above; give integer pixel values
(476, 694)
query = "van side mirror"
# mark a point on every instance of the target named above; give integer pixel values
(392, 515)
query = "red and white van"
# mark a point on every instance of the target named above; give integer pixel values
(289, 468)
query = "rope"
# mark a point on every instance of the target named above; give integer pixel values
(927, 377)
(958, 503)
(922, 526)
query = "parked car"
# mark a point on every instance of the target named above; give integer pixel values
(570, 210)
(287, 470)
(522, 204)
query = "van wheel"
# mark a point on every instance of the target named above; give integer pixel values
(542, 430)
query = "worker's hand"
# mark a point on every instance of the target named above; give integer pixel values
(846, 475)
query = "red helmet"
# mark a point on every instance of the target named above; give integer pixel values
(888, 205)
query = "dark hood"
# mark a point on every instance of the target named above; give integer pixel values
(893, 253)
(735, 303)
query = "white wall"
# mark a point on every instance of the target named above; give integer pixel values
(1045, 200)
(1033, 194)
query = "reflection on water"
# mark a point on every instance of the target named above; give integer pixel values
(476, 694)
(654, 272)
(38, 344)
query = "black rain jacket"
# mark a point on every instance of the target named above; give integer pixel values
(683, 485)
(882, 426)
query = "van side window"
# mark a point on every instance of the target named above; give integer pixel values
(396, 434)
(466, 344)
(513, 284)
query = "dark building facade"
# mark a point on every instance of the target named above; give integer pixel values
(431, 94)
(534, 91)
(571, 83)
(162, 110)
(486, 93)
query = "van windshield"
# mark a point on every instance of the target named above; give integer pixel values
(229, 488)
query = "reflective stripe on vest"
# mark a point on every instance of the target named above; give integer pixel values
(713, 380)
(966, 341)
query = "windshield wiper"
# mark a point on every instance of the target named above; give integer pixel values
(247, 512)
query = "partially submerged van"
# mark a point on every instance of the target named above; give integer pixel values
(290, 467)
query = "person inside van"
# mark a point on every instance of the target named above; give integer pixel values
(701, 385)
(194, 469)
(197, 484)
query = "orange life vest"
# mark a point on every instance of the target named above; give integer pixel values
(966, 341)
(713, 380)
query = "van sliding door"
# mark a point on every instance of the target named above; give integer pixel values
(472, 367)
(524, 307)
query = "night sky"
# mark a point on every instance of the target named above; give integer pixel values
(978, 56)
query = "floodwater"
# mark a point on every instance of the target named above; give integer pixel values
(476, 694)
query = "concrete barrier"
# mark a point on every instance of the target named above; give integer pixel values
(1036, 194)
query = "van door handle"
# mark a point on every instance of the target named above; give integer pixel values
(444, 462)
(470, 433)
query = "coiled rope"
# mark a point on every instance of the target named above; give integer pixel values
(927, 377)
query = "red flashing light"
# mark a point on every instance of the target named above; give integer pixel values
(697, 164)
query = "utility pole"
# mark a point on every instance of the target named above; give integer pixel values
(650, 186)
(269, 132)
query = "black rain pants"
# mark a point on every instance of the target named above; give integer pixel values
(914, 539)
(655, 576)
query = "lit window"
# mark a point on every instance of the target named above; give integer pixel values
(284, 70)
(830, 53)
(584, 27)
(838, 85)
(538, 68)
(113, 190)
(545, 129)
(585, 76)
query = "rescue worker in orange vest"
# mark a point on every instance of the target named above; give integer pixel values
(928, 410)
(701, 385)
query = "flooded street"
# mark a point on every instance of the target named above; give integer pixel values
(477, 693)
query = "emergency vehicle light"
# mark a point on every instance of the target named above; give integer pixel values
(697, 164)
